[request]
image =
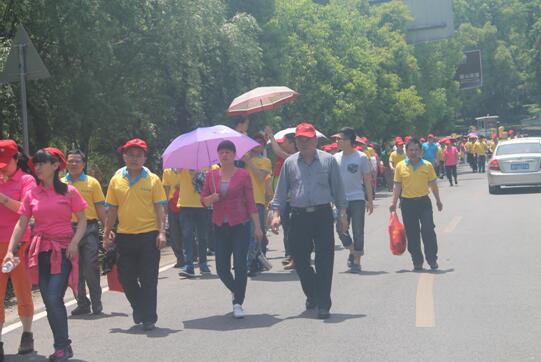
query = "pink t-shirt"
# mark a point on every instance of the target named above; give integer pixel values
(450, 156)
(51, 211)
(15, 188)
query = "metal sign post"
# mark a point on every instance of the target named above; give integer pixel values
(23, 63)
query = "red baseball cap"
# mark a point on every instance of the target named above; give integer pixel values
(55, 152)
(8, 149)
(398, 141)
(431, 135)
(422, 139)
(305, 129)
(135, 142)
(407, 138)
(362, 140)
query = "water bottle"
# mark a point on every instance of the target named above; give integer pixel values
(8, 266)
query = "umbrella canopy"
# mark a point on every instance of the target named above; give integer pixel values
(281, 134)
(260, 99)
(198, 148)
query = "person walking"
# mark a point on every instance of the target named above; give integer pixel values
(229, 191)
(136, 198)
(283, 148)
(471, 157)
(450, 158)
(171, 184)
(430, 151)
(480, 149)
(194, 222)
(397, 155)
(356, 176)
(414, 178)
(259, 167)
(15, 182)
(52, 254)
(311, 178)
(89, 267)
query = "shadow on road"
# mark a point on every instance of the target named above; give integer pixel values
(276, 277)
(98, 316)
(224, 323)
(366, 272)
(335, 317)
(138, 329)
(426, 271)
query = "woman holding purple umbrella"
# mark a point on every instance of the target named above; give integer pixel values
(229, 191)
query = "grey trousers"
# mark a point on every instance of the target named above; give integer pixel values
(89, 268)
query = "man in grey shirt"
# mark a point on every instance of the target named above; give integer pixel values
(311, 178)
(356, 174)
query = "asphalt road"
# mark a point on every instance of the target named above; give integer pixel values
(482, 305)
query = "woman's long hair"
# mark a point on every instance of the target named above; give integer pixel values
(22, 161)
(42, 156)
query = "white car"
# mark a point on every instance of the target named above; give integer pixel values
(515, 162)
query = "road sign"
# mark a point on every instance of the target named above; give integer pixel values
(470, 72)
(23, 63)
(34, 67)
(432, 20)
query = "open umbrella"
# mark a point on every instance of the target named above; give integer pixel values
(198, 148)
(281, 134)
(260, 99)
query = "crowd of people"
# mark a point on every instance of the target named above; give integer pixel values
(50, 211)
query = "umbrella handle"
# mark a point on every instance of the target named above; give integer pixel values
(210, 167)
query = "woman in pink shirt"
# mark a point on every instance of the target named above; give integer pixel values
(229, 191)
(14, 183)
(450, 158)
(52, 255)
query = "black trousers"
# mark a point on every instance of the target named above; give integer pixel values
(313, 231)
(138, 264)
(451, 173)
(418, 221)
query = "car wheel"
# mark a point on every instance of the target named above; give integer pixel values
(494, 190)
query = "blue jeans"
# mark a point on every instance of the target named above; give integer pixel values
(194, 221)
(52, 288)
(355, 212)
(255, 246)
(233, 240)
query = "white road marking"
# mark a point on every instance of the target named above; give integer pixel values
(424, 311)
(453, 224)
(69, 303)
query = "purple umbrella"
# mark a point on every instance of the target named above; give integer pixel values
(197, 149)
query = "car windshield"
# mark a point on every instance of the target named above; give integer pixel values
(516, 148)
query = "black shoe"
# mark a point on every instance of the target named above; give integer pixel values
(310, 305)
(323, 313)
(27, 343)
(148, 326)
(1, 351)
(434, 265)
(351, 259)
(418, 267)
(80, 310)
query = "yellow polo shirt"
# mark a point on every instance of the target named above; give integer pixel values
(188, 197)
(396, 157)
(262, 163)
(369, 151)
(480, 148)
(469, 147)
(171, 179)
(415, 180)
(135, 200)
(91, 191)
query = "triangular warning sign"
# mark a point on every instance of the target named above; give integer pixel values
(35, 69)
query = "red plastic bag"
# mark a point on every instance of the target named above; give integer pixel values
(397, 235)
(173, 202)
(113, 281)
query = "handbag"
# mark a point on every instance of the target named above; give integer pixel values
(397, 235)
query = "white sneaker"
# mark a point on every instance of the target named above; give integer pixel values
(237, 311)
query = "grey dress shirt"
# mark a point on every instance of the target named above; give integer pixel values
(310, 185)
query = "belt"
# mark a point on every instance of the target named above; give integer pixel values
(88, 222)
(311, 208)
(413, 198)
